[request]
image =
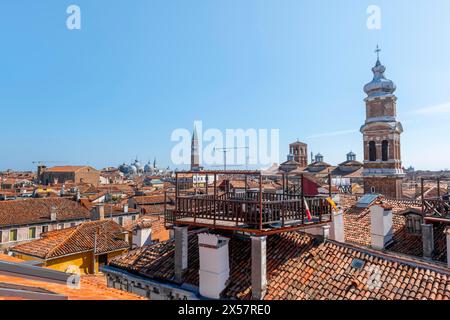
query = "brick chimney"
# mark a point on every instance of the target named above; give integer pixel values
(381, 226)
(214, 264)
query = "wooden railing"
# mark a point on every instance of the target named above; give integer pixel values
(436, 207)
(249, 210)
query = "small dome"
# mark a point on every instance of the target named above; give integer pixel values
(379, 86)
(138, 165)
(148, 167)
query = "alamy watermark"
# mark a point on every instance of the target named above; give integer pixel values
(73, 21)
(233, 147)
(74, 280)
(374, 19)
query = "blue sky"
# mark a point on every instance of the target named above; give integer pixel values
(139, 69)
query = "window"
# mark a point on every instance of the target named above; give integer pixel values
(133, 218)
(32, 233)
(414, 224)
(372, 151)
(60, 226)
(44, 229)
(385, 150)
(1, 236)
(72, 224)
(12, 235)
(372, 190)
(121, 221)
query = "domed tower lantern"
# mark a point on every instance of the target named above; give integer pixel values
(383, 171)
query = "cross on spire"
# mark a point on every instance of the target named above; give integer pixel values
(378, 50)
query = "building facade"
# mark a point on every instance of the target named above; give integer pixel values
(383, 173)
(76, 174)
(299, 152)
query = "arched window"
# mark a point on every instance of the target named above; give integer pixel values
(372, 151)
(385, 150)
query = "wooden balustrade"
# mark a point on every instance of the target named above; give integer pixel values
(244, 209)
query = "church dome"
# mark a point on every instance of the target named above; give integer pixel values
(138, 165)
(379, 86)
(148, 167)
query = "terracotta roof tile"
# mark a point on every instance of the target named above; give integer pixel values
(104, 234)
(31, 211)
(298, 267)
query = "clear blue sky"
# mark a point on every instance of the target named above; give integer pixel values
(140, 69)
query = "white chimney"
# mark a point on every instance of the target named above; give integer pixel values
(53, 211)
(381, 222)
(142, 235)
(98, 212)
(214, 264)
(125, 208)
(337, 227)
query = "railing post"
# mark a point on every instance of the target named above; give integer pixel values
(422, 192)
(302, 200)
(260, 201)
(215, 199)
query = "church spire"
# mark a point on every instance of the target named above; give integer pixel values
(379, 86)
(195, 158)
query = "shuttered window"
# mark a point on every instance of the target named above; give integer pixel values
(32, 233)
(12, 235)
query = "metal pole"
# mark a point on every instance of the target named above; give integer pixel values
(329, 185)
(439, 188)
(215, 198)
(224, 160)
(421, 191)
(302, 198)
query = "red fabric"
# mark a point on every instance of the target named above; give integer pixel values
(308, 213)
(311, 188)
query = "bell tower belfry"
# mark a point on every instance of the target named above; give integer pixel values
(383, 173)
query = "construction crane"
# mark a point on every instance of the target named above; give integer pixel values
(225, 150)
(45, 162)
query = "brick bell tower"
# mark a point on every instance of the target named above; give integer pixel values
(383, 173)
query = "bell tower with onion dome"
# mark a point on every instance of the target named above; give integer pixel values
(383, 173)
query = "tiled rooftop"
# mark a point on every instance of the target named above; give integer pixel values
(357, 225)
(300, 267)
(77, 239)
(31, 211)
